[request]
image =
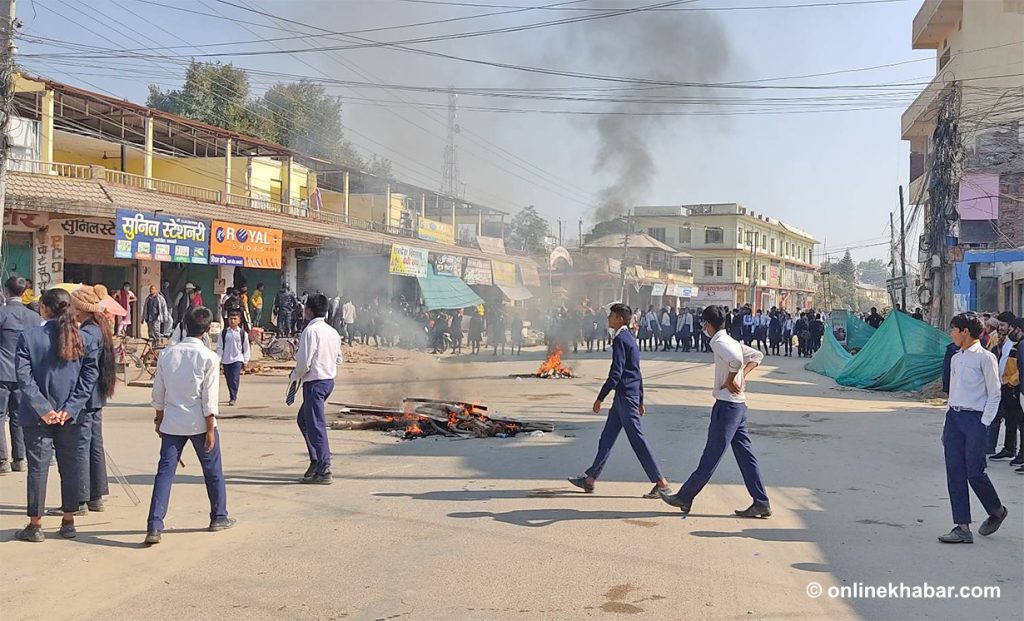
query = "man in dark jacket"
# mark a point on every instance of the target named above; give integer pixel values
(15, 318)
(625, 379)
(874, 319)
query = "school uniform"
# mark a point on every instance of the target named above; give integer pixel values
(728, 426)
(748, 328)
(234, 355)
(974, 394)
(92, 459)
(48, 384)
(186, 388)
(787, 335)
(15, 318)
(625, 379)
(316, 366)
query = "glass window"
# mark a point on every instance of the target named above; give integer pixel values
(764, 241)
(719, 267)
(764, 272)
(714, 235)
(773, 246)
(685, 265)
(739, 268)
(657, 233)
(709, 267)
(685, 234)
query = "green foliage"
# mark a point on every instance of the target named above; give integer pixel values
(527, 231)
(846, 269)
(873, 272)
(215, 94)
(305, 118)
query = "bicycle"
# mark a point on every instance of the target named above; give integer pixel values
(279, 348)
(140, 354)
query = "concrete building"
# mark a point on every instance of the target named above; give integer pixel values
(979, 59)
(738, 256)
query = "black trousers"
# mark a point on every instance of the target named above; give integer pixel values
(40, 443)
(10, 394)
(92, 461)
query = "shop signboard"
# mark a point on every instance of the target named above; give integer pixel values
(477, 272)
(157, 237)
(504, 273)
(658, 290)
(432, 230)
(529, 275)
(448, 265)
(245, 246)
(92, 228)
(409, 261)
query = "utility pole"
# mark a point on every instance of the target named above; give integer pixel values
(892, 246)
(559, 231)
(752, 240)
(579, 241)
(903, 249)
(622, 265)
(7, 52)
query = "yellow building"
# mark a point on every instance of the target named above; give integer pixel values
(739, 256)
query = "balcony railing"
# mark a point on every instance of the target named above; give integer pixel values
(159, 185)
(71, 171)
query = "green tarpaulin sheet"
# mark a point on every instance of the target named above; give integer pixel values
(446, 292)
(903, 354)
(831, 358)
(858, 332)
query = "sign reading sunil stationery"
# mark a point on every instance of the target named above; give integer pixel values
(156, 237)
(248, 246)
(409, 261)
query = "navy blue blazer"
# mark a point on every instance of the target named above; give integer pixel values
(50, 384)
(624, 376)
(97, 400)
(15, 318)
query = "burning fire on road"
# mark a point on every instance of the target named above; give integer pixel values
(419, 418)
(553, 367)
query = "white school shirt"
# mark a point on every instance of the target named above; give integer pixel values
(686, 319)
(974, 382)
(789, 326)
(233, 349)
(186, 387)
(730, 357)
(319, 353)
(348, 312)
(666, 320)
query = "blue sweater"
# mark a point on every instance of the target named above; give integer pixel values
(624, 376)
(49, 383)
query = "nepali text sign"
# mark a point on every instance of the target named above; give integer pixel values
(24, 221)
(448, 265)
(504, 273)
(658, 290)
(529, 275)
(409, 261)
(432, 230)
(247, 246)
(156, 237)
(477, 272)
(92, 228)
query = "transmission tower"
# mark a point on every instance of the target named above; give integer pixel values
(450, 184)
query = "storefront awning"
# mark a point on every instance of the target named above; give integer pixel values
(516, 294)
(446, 292)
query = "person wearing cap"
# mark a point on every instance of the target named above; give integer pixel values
(15, 318)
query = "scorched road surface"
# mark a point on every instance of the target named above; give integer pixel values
(489, 529)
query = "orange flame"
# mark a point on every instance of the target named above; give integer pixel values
(413, 430)
(553, 365)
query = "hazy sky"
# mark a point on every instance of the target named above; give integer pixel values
(833, 173)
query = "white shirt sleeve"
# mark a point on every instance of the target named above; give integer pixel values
(246, 348)
(159, 394)
(751, 355)
(990, 369)
(733, 357)
(209, 389)
(303, 357)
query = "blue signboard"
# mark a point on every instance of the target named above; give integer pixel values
(156, 237)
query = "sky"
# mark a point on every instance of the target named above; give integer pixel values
(830, 166)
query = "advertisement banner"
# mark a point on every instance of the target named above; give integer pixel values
(724, 295)
(477, 272)
(156, 237)
(24, 221)
(529, 275)
(409, 261)
(93, 228)
(614, 266)
(658, 290)
(448, 265)
(504, 273)
(432, 230)
(247, 246)
(687, 291)
(491, 245)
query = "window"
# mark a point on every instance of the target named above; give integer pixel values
(719, 267)
(764, 241)
(714, 235)
(764, 272)
(773, 245)
(685, 234)
(739, 268)
(657, 233)
(684, 265)
(787, 249)
(740, 239)
(709, 267)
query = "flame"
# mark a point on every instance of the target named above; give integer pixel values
(553, 365)
(413, 430)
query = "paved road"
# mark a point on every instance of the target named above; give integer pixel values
(488, 529)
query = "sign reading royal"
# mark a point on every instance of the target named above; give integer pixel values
(156, 237)
(247, 246)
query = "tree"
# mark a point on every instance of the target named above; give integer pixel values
(305, 118)
(380, 167)
(527, 231)
(846, 269)
(873, 272)
(215, 94)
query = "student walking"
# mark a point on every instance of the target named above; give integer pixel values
(234, 354)
(788, 328)
(15, 318)
(316, 366)
(57, 367)
(627, 407)
(186, 390)
(733, 363)
(974, 394)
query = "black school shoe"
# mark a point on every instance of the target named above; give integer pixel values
(581, 482)
(1003, 454)
(1018, 460)
(310, 472)
(30, 534)
(754, 511)
(675, 501)
(68, 530)
(992, 524)
(220, 525)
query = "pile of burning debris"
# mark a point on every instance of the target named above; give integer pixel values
(553, 367)
(419, 418)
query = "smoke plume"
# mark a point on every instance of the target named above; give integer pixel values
(677, 46)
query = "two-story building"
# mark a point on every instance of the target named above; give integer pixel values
(738, 256)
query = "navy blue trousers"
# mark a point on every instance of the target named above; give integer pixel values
(233, 376)
(213, 474)
(9, 396)
(963, 443)
(92, 461)
(40, 443)
(728, 427)
(625, 415)
(313, 423)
